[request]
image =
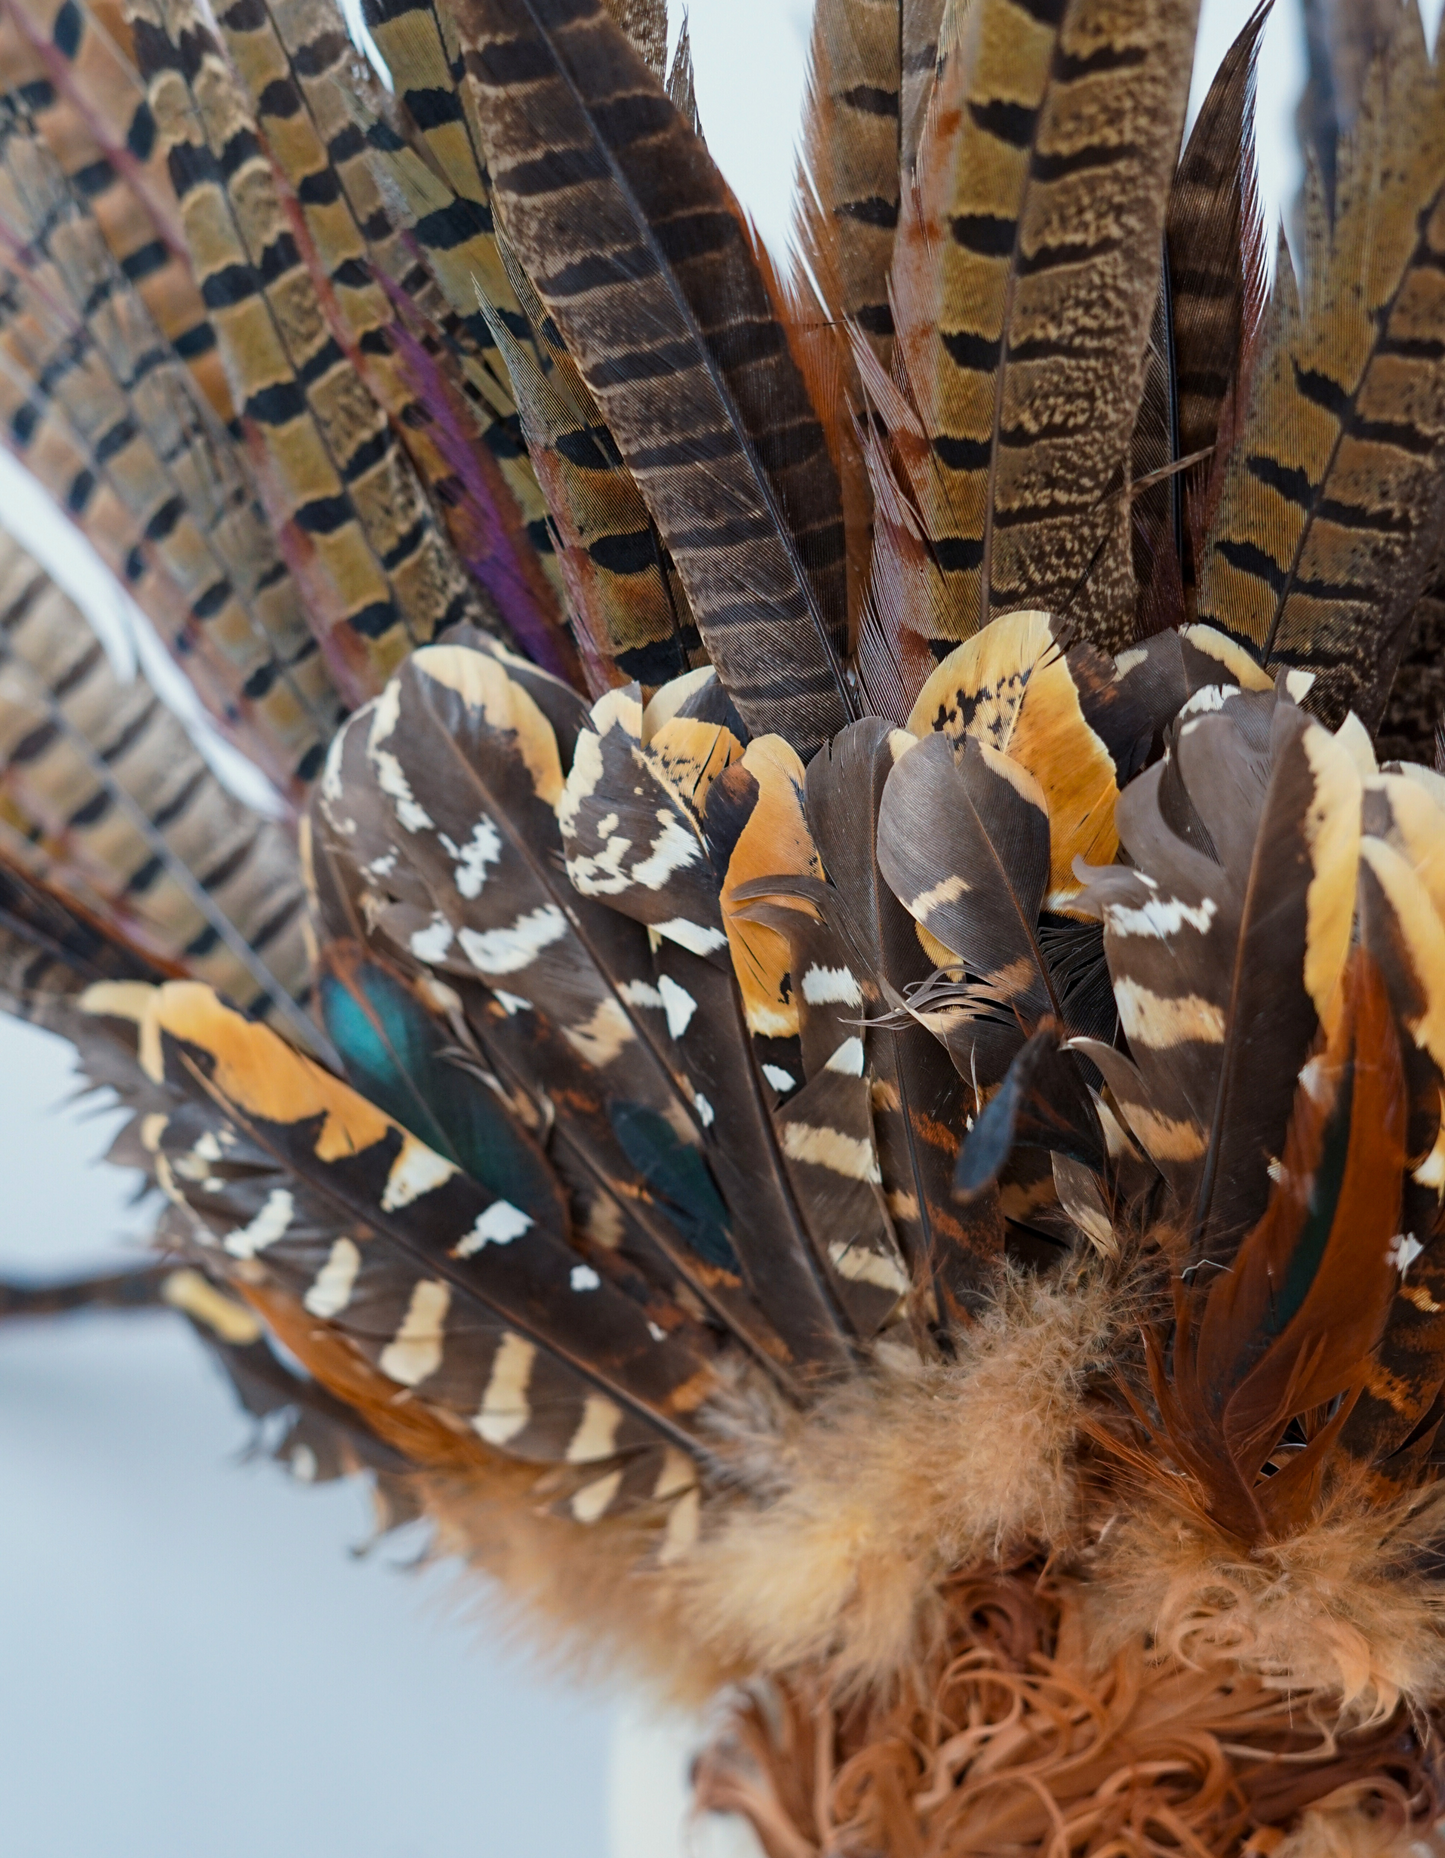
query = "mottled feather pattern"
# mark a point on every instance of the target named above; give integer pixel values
(1037, 191)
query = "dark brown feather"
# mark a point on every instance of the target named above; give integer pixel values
(674, 333)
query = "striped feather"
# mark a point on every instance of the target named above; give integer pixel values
(89, 60)
(42, 438)
(1214, 237)
(77, 333)
(161, 275)
(1328, 519)
(117, 793)
(464, 883)
(847, 208)
(621, 583)
(757, 833)
(694, 377)
(868, 970)
(632, 819)
(456, 236)
(1024, 284)
(345, 486)
(1226, 939)
(366, 1167)
(920, 24)
(428, 418)
(424, 1325)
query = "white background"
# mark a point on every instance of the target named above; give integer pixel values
(192, 1663)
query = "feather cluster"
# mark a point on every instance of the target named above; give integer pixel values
(835, 1060)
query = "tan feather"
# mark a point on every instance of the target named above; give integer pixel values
(1327, 523)
(1024, 284)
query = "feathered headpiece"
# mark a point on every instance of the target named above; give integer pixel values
(859, 1119)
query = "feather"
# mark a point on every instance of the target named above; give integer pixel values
(1342, 39)
(351, 1288)
(645, 23)
(1400, 897)
(456, 236)
(1014, 690)
(418, 42)
(333, 458)
(1042, 1103)
(427, 416)
(701, 389)
(919, 27)
(160, 273)
(917, 1095)
(477, 1244)
(976, 879)
(140, 1288)
(1214, 235)
(1289, 1327)
(571, 1016)
(80, 349)
(847, 203)
(771, 840)
(51, 948)
(1007, 291)
(631, 819)
(975, 885)
(1416, 704)
(681, 88)
(91, 63)
(395, 1053)
(484, 522)
(62, 463)
(757, 832)
(1228, 942)
(1328, 516)
(118, 791)
(621, 583)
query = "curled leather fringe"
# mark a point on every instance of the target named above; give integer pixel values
(1013, 1744)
